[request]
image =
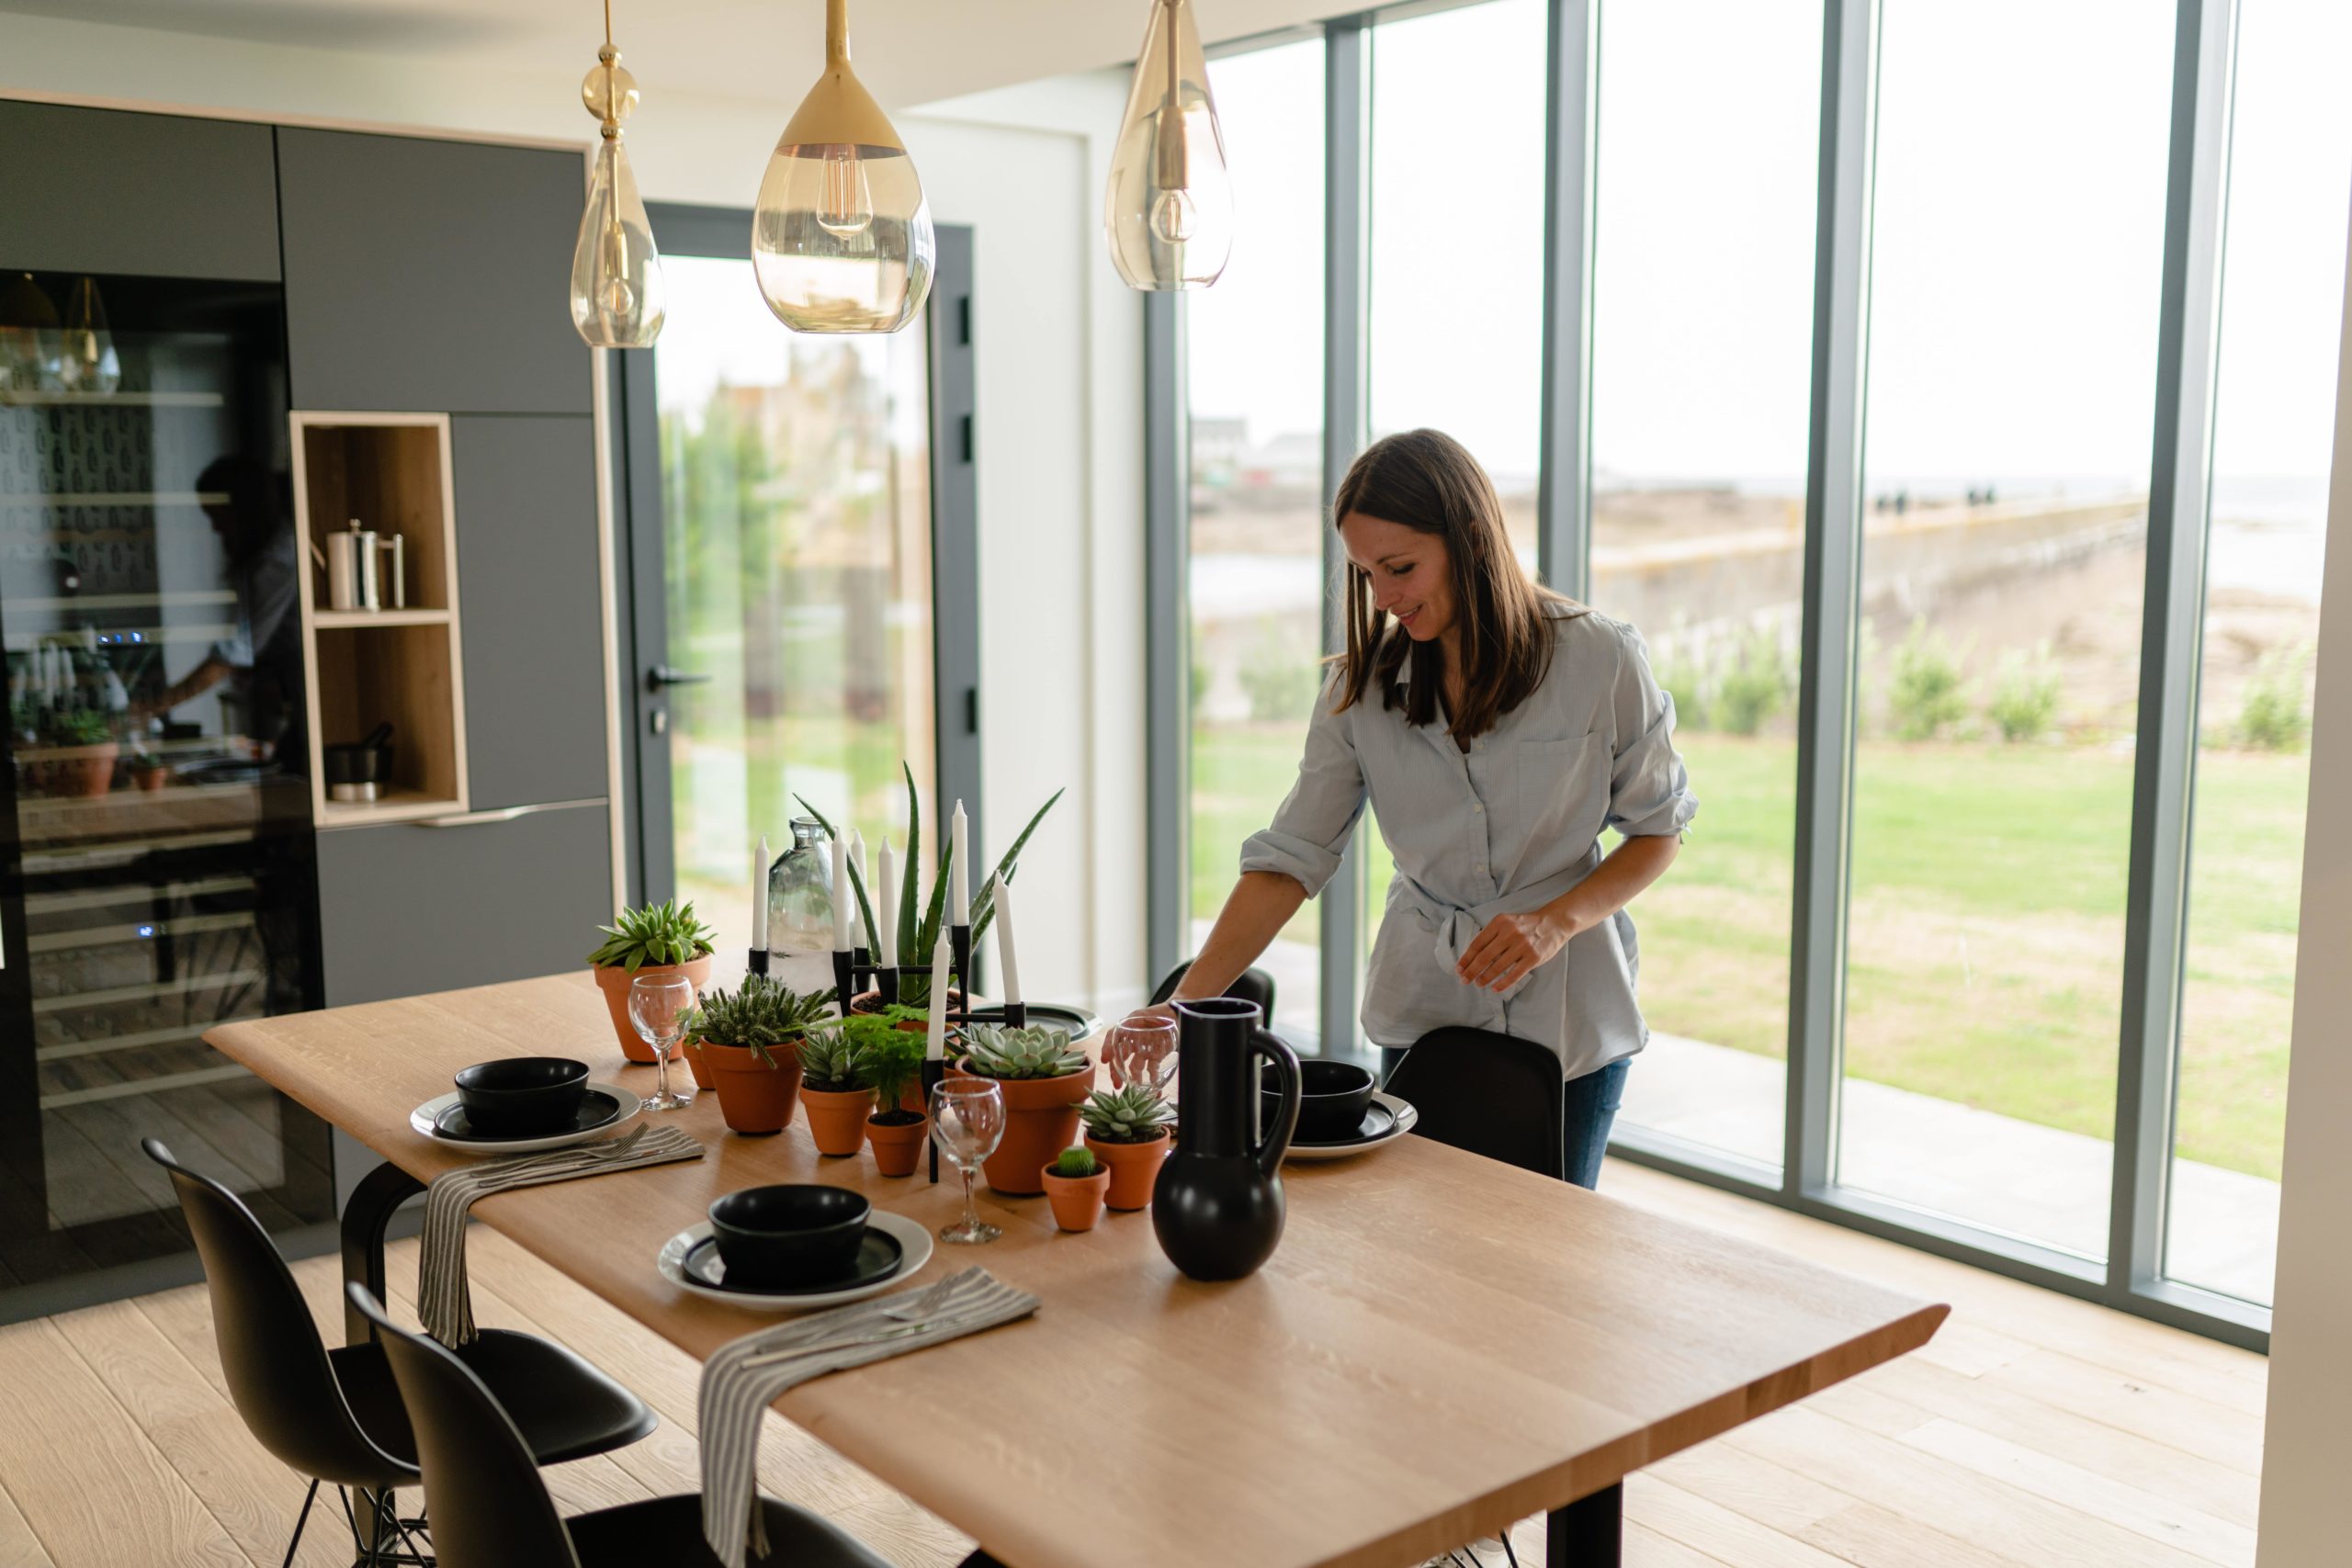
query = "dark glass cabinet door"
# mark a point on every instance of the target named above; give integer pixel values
(155, 840)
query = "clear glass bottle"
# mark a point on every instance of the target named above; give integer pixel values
(800, 892)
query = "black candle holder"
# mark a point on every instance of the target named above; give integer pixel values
(757, 961)
(852, 969)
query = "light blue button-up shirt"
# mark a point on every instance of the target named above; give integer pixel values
(1503, 828)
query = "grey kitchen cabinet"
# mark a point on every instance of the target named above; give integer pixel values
(531, 607)
(426, 275)
(406, 909)
(152, 196)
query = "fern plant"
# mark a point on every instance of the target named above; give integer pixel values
(1136, 1114)
(887, 1068)
(763, 1013)
(667, 932)
(994, 1051)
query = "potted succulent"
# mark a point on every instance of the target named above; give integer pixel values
(1043, 1077)
(1128, 1131)
(82, 754)
(657, 939)
(918, 935)
(892, 1065)
(749, 1041)
(148, 771)
(1076, 1185)
(838, 1101)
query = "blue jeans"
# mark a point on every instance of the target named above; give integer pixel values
(1589, 1107)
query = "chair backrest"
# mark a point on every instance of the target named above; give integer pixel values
(1254, 985)
(490, 1508)
(277, 1366)
(1492, 1094)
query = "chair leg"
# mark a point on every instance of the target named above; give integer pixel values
(300, 1520)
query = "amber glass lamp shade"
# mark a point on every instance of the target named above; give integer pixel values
(617, 294)
(88, 362)
(842, 239)
(1168, 212)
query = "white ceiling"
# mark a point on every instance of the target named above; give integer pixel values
(907, 52)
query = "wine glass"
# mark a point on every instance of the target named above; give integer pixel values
(1142, 1049)
(968, 1122)
(660, 1006)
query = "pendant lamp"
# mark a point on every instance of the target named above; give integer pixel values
(1169, 209)
(617, 296)
(842, 238)
(89, 363)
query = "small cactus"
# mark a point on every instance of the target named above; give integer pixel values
(1077, 1164)
(1136, 1114)
(994, 1051)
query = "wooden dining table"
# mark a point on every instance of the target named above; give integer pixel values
(1441, 1346)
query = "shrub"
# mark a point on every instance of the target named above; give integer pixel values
(1683, 680)
(1927, 692)
(1281, 678)
(2025, 695)
(1755, 687)
(2273, 715)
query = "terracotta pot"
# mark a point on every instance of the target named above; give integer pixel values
(698, 1066)
(613, 980)
(82, 770)
(837, 1118)
(1040, 1121)
(150, 778)
(753, 1096)
(1077, 1200)
(897, 1146)
(1134, 1170)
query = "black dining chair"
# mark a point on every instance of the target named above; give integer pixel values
(336, 1414)
(1253, 986)
(490, 1508)
(1491, 1094)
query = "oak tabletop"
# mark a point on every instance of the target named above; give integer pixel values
(1441, 1344)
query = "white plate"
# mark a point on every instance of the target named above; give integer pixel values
(422, 1119)
(914, 1249)
(1406, 1117)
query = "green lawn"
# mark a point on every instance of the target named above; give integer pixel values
(1984, 961)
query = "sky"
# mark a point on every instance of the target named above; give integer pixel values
(2016, 257)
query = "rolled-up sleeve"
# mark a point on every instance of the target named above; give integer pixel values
(1649, 789)
(1310, 828)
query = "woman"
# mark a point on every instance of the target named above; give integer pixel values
(1497, 728)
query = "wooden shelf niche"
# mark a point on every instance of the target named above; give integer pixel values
(366, 667)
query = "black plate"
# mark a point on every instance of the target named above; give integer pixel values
(1378, 1123)
(597, 1109)
(879, 1257)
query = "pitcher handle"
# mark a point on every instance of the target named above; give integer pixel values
(1274, 1139)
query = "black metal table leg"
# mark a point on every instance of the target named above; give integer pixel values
(1588, 1532)
(364, 1220)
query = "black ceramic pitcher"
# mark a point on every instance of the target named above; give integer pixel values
(1218, 1205)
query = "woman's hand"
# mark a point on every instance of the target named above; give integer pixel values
(1511, 946)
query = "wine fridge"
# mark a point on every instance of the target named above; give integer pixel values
(155, 837)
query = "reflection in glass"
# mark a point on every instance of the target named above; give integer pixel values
(796, 526)
(2015, 263)
(1255, 372)
(87, 362)
(29, 349)
(2291, 163)
(1703, 311)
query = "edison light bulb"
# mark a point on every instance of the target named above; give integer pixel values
(1173, 216)
(847, 206)
(617, 294)
(1168, 210)
(89, 363)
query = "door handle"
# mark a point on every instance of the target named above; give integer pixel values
(662, 675)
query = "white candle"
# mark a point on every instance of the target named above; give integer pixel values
(841, 895)
(959, 883)
(887, 910)
(857, 865)
(935, 1043)
(760, 894)
(1004, 943)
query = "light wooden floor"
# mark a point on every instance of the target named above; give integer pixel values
(2035, 1431)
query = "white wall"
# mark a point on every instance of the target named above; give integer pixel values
(2307, 1447)
(1059, 429)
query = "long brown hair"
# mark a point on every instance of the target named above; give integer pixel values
(1429, 482)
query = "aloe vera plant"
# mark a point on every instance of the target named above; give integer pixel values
(667, 932)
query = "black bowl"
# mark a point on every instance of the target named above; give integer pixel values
(1332, 1099)
(788, 1234)
(520, 1096)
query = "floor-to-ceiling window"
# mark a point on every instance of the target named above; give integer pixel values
(2282, 296)
(1255, 373)
(1702, 311)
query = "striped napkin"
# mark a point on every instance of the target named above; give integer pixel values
(744, 1376)
(444, 1304)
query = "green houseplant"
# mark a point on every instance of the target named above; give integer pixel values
(655, 940)
(889, 1067)
(1076, 1185)
(837, 1098)
(1128, 1130)
(1044, 1078)
(748, 1042)
(81, 752)
(918, 935)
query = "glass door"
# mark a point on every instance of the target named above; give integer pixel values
(157, 855)
(786, 526)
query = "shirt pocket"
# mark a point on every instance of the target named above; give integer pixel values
(1562, 792)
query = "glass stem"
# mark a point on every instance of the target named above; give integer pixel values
(661, 1069)
(971, 1215)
